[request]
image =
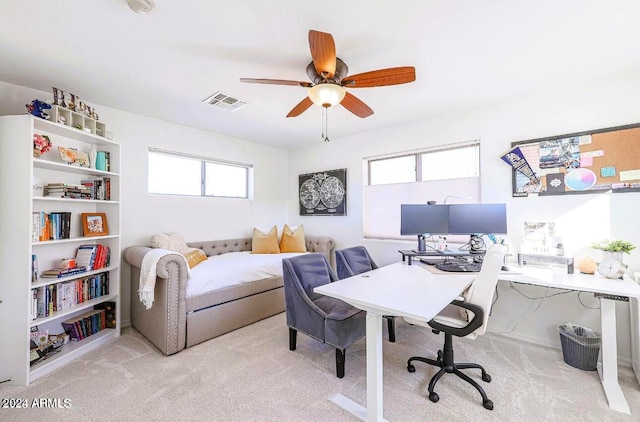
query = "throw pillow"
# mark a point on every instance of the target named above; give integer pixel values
(293, 240)
(195, 256)
(265, 242)
(170, 241)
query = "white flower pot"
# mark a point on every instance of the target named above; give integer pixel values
(613, 255)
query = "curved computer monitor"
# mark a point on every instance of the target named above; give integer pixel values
(419, 219)
(478, 219)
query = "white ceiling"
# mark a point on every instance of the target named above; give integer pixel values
(467, 53)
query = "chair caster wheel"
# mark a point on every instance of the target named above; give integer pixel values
(488, 404)
(434, 397)
(486, 378)
(411, 368)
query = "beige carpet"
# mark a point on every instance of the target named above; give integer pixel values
(250, 375)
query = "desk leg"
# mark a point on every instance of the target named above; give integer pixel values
(373, 411)
(374, 367)
(609, 368)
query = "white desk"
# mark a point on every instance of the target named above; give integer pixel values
(397, 289)
(559, 279)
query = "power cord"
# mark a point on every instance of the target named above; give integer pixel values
(540, 299)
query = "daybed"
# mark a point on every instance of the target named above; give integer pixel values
(177, 320)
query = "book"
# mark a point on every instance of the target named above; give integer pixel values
(35, 227)
(34, 268)
(86, 255)
(58, 272)
(33, 305)
(41, 302)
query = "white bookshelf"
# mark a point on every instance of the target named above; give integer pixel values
(18, 171)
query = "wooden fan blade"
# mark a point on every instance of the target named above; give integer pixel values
(381, 77)
(300, 108)
(356, 106)
(323, 53)
(276, 82)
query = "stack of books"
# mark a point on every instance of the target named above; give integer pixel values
(64, 190)
(62, 272)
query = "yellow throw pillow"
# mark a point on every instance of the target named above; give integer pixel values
(195, 256)
(265, 243)
(293, 240)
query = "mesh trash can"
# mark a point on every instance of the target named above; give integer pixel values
(580, 346)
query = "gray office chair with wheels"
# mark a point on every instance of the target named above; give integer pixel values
(324, 318)
(464, 318)
(356, 260)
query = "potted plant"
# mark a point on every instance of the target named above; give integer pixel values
(614, 248)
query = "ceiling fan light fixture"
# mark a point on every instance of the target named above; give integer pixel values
(142, 7)
(326, 94)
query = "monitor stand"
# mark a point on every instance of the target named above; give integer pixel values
(422, 245)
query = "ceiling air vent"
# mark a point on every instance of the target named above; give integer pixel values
(222, 100)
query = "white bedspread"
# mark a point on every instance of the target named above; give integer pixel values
(234, 268)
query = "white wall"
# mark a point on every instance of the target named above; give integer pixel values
(195, 219)
(580, 219)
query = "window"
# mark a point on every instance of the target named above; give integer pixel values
(181, 174)
(448, 174)
(392, 170)
(437, 164)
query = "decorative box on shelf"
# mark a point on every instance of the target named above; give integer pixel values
(77, 120)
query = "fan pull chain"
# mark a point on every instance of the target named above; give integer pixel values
(325, 126)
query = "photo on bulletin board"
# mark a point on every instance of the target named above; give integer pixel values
(595, 161)
(323, 193)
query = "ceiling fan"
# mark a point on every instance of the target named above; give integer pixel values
(328, 75)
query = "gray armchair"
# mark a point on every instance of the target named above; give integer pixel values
(356, 260)
(324, 318)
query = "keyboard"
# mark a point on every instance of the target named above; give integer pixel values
(459, 267)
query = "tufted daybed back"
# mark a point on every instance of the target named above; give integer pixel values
(320, 244)
(218, 247)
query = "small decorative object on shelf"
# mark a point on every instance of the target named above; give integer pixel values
(93, 152)
(71, 105)
(58, 97)
(73, 156)
(101, 160)
(94, 224)
(74, 104)
(37, 108)
(41, 144)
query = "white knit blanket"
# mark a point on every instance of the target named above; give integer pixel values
(148, 274)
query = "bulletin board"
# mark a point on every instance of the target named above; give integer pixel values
(597, 161)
